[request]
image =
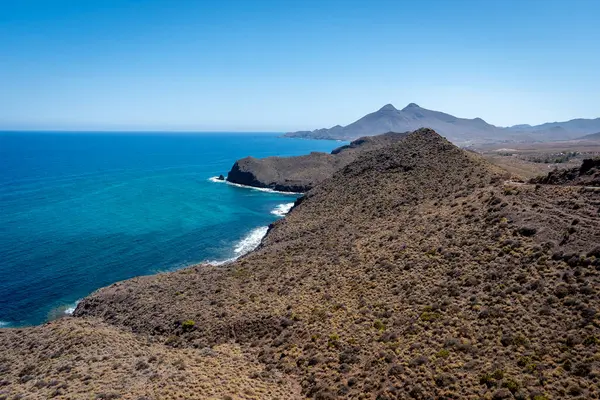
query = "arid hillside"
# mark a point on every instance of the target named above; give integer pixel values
(76, 358)
(416, 271)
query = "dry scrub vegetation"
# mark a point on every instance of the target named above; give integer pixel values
(416, 271)
(88, 359)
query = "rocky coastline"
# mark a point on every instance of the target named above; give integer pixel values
(417, 270)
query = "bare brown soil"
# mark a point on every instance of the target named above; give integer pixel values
(416, 271)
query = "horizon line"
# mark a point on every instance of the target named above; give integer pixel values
(130, 131)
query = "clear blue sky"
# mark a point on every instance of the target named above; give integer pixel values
(292, 64)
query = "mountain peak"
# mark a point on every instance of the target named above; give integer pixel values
(461, 130)
(411, 105)
(388, 107)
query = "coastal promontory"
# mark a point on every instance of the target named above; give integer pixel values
(302, 173)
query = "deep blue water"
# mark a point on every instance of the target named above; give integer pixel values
(79, 211)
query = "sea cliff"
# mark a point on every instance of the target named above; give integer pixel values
(302, 173)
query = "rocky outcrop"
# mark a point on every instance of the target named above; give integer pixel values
(586, 175)
(301, 173)
(286, 174)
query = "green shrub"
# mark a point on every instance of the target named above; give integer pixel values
(487, 380)
(188, 325)
(531, 367)
(498, 374)
(520, 340)
(429, 316)
(334, 339)
(511, 385)
(443, 353)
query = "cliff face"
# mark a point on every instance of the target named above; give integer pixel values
(415, 271)
(302, 173)
(286, 174)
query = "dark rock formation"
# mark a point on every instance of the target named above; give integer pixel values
(586, 175)
(301, 173)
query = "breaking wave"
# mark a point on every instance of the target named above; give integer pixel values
(251, 241)
(282, 209)
(255, 237)
(65, 310)
(245, 245)
(216, 179)
(71, 308)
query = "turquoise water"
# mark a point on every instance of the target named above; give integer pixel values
(83, 210)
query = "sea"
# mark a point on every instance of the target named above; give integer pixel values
(82, 210)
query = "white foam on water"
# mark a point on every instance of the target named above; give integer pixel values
(244, 246)
(216, 179)
(282, 209)
(255, 237)
(71, 308)
(4, 324)
(251, 241)
(222, 262)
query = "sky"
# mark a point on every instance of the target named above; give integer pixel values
(266, 65)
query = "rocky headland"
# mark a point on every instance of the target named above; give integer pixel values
(416, 271)
(300, 174)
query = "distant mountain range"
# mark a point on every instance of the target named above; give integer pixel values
(593, 136)
(458, 130)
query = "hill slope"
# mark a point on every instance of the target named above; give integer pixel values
(413, 272)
